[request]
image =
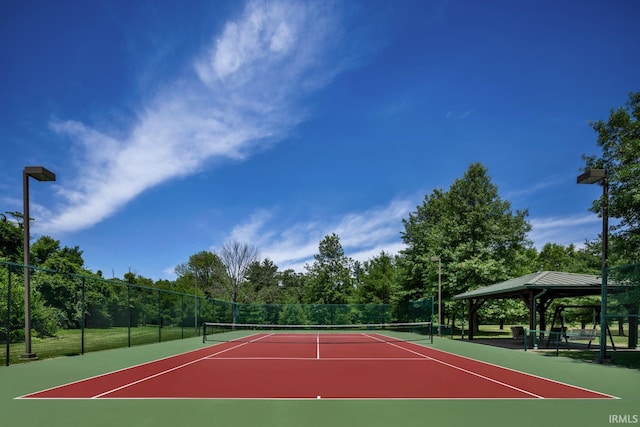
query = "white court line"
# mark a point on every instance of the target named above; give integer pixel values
(345, 399)
(529, 375)
(355, 359)
(108, 373)
(175, 368)
(318, 346)
(463, 370)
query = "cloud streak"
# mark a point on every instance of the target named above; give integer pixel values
(534, 188)
(241, 93)
(574, 229)
(363, 235)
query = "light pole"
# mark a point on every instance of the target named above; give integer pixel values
(437, 258)
(593, 176)
(40, 174)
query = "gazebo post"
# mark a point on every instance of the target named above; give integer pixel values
(532, 318)
(474, 306)
(545, 303)
(471, 322)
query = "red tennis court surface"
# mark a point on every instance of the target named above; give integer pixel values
(365, 366)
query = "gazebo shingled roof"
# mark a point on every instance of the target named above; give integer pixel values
(558, 283)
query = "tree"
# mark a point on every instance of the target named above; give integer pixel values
(619, 138)
(262, 278)
(555, 257)
(504, 311)
(43, 248)
(56, 281)
(237, 258)
(329, 279)
(474, 232)
(46, 248)
(10, 240)
(291, 285)
(206, 271)
(378, 280)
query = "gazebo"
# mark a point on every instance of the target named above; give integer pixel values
(538, 291)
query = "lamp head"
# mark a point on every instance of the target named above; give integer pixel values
(39, 173)
(592, 176)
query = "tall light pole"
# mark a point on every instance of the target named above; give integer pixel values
(593, 176)
(40, 174)
(437, 258)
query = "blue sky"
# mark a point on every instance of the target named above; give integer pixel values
(174, 127)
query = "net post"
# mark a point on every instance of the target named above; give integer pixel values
(129, 314)
(432, 316)
(182, 316)
(431, 331)
(159, 317)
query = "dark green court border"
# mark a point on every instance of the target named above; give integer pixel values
(22, 379)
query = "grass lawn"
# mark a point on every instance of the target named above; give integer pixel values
(68, 342)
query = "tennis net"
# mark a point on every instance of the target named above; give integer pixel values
(337, 334)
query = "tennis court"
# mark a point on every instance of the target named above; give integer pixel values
(312, 365)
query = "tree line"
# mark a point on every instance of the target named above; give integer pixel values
(477, 236)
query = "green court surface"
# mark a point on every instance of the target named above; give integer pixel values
(21, 379)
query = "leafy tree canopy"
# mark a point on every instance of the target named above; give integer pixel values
(471, 229)
(619, 138)
(10, 240)
(329, 277)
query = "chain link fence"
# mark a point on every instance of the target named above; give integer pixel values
(73, 313)
(623, 305)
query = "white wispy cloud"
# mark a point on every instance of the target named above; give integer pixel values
(242, 93)
(457, 115)
(534, 188)
(363, 235)
(564, 230)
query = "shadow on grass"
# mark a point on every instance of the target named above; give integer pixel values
(626, 359)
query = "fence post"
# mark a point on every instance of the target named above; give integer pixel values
(83, 318)
(159, 317)
(8, 314)
(129, 312)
